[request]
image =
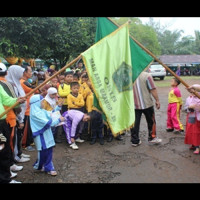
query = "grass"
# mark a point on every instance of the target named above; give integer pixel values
(166, 81)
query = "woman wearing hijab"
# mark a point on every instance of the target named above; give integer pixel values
(14, 74)
(41, 123)
(50, 103)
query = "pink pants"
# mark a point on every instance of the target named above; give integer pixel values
(173, 116)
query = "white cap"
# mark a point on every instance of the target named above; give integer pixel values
(3, 68)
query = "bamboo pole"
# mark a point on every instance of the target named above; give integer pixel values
(42, 84)
(155, 58)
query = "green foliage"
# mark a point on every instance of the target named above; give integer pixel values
(46, 38)
(64, 38)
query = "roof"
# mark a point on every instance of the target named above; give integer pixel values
(180, 59)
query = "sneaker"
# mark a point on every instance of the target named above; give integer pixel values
(93, 141)
(74, 146)
(14, 181)
(52, 173)
(79, 140)
(16, 168)
(23, 159)
(135, 145)
(119, 137)
(169, 129)
(155, 141)
(101, 141)
(13, 175)
(25, 155)
(29, 148)
(179, 131)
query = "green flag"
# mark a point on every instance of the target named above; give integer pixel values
(139, 58)
(108, 64)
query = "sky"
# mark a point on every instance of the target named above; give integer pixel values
(187, 24)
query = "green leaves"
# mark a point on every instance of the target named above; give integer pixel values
(46, 38)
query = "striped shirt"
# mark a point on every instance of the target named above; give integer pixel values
(141, 89)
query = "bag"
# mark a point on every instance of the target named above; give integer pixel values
(191, 118)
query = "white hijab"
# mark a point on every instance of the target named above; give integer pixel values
(51, 101)
(14, 74)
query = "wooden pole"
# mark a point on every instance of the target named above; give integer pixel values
(43, 83)
(155, 58)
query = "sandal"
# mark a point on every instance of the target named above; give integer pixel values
(192, 147)
(52, 173)
(196, 152)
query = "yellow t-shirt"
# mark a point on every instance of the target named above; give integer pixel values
(175, 96)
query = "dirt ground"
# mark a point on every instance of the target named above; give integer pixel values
(119, 162)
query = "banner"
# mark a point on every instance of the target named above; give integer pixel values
(108, 64)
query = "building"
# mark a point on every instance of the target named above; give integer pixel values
(190, 64)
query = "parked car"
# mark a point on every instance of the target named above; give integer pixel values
(157, 71)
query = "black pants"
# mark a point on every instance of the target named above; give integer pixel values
(151, 123)
(27, 138)
(96, 125)
(5, 154)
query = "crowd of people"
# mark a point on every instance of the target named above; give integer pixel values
(65, 105)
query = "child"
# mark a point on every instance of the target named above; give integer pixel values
(41, 123)
(174, 107)
(72, 119)
(63, 91)
(192, 106)
(50, 103)
(74, 99)
(68, 77)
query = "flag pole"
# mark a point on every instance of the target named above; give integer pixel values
(159, 61)
(42, 84)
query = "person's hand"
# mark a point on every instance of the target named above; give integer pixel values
(21, 100)
(191, 89)
(62, 119)
(192, 106)
(46, 75)
(60, 101)
(2, 138)
(157, 104)
(21, 126)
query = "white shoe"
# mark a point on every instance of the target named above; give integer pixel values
(79, 140)
(16, 168)
(23, 159)
(155, 141)
(13, 175)
(74, 146)
(135, 145)
(13, 181)
(25, 155)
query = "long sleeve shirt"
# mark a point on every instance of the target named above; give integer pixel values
(72, 119)
(6, 100)
(63, 91)
(75, 102)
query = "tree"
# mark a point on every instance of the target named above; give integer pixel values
(144, 34)
(46, 38)
(169, 41)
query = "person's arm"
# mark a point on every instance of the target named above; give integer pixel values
(80, 101)
(152, 88)
(194, 87)
(63, 92)
(155, 96)
(70, 101)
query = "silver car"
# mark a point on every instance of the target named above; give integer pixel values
(157, 71)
